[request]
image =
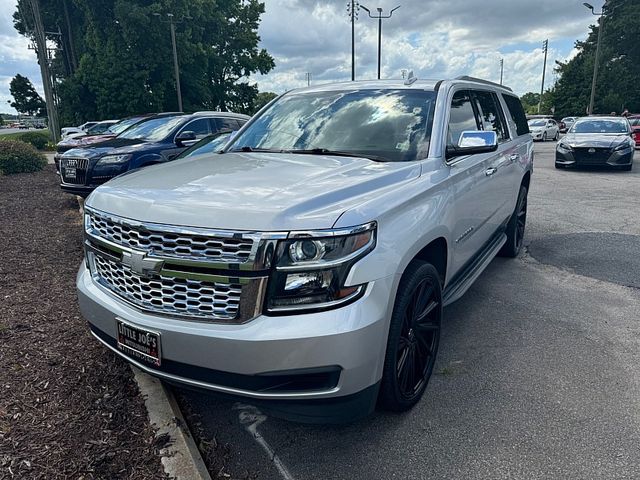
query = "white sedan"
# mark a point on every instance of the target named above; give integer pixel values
(544, 129)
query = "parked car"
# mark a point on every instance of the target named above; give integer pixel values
(92, 136)
(153, 140)
(308, 265)
(23, 126)
(597, 141)
(81, 129)
(544, 129)
(634, 121)
(210, 144)
(566, 123)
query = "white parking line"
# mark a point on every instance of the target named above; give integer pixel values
(251, 418)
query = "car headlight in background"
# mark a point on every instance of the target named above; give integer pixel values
(114, 159)
(564, 148)
(311, 269)
(622, 146)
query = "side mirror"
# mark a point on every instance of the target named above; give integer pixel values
(473, 142)
(186, 138)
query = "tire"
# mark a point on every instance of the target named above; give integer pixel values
(557, 137)
(544, 137)
(558, 166)
(627, 168)
(516, 226)
(414, 336)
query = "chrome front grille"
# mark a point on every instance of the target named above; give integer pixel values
(231, 248)
(170, 295)
(74, 170)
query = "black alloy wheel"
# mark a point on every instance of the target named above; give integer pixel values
(414, 337)
(516, 226)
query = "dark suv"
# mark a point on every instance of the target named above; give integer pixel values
(154, 140)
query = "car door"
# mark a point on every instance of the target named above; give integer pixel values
(503, 162)
(471, 186)
(200, 126)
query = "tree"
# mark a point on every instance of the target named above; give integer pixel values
(530, 102)
(262, 99)
(117, 59)
(618, 69)
(25, 97)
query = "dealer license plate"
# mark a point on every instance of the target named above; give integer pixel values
(69, 172)
(139, 343)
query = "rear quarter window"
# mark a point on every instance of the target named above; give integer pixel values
(517, 114)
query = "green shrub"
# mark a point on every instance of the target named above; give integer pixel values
(20, 157)
(37, 139)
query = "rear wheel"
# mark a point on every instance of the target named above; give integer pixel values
(544, 137)
(557, 135)
(414, 335)
(516, 226)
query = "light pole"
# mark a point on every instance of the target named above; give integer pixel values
(172, 24)
(352, 9)
(545, 47)
(595, 63)
(379, 17)
(501, 69)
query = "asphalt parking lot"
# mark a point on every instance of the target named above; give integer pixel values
(538, 374)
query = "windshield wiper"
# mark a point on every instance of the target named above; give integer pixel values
(337, 153)
(253, 149)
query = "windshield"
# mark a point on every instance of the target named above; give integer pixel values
(210, 144)
(600, 126)
(152, 130)
(122, 125)
(568, 119)
(99, 128)
(392, 125)
(537, 123)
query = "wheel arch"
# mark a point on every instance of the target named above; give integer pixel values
(436, 253)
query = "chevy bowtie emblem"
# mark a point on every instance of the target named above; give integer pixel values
(139, 263)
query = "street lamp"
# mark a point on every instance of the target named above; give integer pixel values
(172, 23)
(379, 17)
(595, 63)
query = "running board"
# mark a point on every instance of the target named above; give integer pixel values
(469, 275)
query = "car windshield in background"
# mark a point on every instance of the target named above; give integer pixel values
(387, 124)
(537, 123)
(123, 125)
(210, 144)
(152, 130)
(99, 128)
(600, 126)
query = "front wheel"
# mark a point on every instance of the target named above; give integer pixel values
(544, 137)
(414, 335)
(557, 137)
(516, 226)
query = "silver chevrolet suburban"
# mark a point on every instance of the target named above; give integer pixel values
(306, 266)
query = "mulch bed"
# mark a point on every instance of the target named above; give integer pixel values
(69, 408)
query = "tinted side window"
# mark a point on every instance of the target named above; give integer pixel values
(517, 114)
(227, 124)
(200, 127)
(462, 118)
(491, 114)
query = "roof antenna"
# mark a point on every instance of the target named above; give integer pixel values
(411, 78)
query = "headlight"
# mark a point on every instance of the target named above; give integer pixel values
(311, 269)
(563, 147)
(114, 159)
(622, 146)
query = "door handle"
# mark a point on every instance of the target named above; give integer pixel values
(490, 171)
(514, 157)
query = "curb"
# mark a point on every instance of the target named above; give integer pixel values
(180, 456)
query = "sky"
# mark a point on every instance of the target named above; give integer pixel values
(434, 38)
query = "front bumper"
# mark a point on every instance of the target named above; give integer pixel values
(583, 158)
(341, 350)
(537, 135)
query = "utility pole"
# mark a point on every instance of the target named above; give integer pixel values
(379, 17)
(43, 60)
(308, 76)
(594, 79)
(172, 24)
(352, 9)
(501, 69)
(545, 48)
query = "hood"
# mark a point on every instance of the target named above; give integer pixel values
(85, 140)
(251, 191)
(114, 146)
(595, 140)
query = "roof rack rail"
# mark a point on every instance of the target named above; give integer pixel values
(480, 80)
